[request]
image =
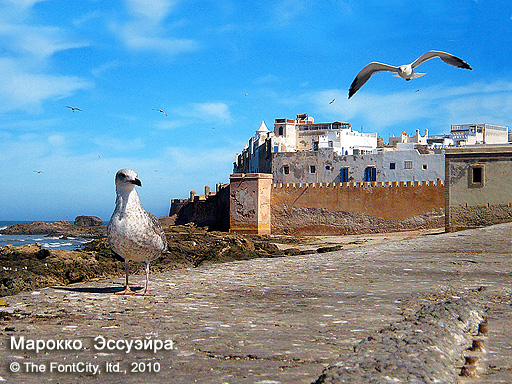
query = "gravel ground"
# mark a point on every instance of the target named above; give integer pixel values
(398, 307)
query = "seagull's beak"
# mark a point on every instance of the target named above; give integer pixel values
(136, 182)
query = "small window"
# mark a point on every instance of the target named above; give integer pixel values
(286, 170)
(370, 174)
(281, 131)
(312, 169)
(425, 167)
(344, 175)
(315, 145)
(392, 165)
(331, 144)
(477, 176)
(276, 148)
(407, 164)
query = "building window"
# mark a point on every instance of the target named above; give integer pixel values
(331, 144)
(407, 164)
(476, 176)
(281, 131)
(425, 167)
(315, 145)
(276, 148)
(286, 170)
(312, 169)
(344, 175)
(370, 174)
(392, 165)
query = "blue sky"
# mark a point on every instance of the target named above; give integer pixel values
(218, 68)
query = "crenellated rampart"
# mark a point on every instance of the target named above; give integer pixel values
(356, 207)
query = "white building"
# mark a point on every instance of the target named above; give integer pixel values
(302, 134)
(404, 138)
(471, 134)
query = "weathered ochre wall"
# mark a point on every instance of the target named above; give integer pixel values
(488, 202)
(339, 208)
(249, 203)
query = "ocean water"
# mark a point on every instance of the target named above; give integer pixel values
(67, 243)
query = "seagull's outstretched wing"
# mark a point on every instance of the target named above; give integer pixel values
(446, 57)
(365, 73)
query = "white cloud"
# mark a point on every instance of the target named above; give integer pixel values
(152, 11)
(212, 111)
(146, 30)
(38, 42)
(99, 71)
(24, 3)
(208, 112)
(440, 105)
(136, 39)
(23, 89)
(25, 81)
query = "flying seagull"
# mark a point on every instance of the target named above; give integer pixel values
(74, 108)
(332, 101)
(404, 71)
(160, 110)
(133, 233)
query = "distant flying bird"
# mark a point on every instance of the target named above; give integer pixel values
(38, 171)
(74, 108)
(404, 71)
(332, 101)
(159, 110)
(133, 233)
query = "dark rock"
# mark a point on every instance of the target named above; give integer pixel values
(29, 267)
(60, 228)
(88, 221)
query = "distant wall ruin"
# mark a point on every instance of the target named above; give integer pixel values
(208, 210)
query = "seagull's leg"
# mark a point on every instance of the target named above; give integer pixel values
(146, 292)
(127, 290)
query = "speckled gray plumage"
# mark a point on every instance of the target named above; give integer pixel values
(133, 233)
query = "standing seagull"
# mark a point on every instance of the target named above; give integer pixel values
(404, 71)
(133, 233)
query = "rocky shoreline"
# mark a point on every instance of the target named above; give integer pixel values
(30, 267)
(60, 228)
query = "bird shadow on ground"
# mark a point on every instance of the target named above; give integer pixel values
(95, 290)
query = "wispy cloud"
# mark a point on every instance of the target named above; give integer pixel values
(24, 3)
(25, 78)
(212, 111)
(24, 89)
(441, 106)
(38, 42)
(146, 30)
(209, 112)
(100, 70)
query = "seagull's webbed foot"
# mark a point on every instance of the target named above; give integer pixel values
(126, 291)
(145, 293)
